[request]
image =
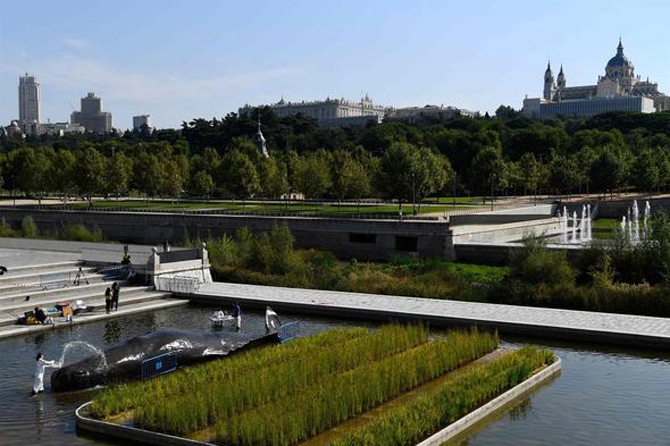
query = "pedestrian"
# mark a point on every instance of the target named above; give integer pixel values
(237, 314)
(38, 385)
(166, 246)
(108, 300)
(79, 277)
(41, 316)
(115, 296)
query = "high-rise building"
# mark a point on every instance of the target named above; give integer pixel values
(29, 104)
(139, 121)
(91, 116)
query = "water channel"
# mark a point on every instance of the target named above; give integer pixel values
(603, 396)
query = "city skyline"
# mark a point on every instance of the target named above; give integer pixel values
(177, 62)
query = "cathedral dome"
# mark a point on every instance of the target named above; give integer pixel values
(620, 60)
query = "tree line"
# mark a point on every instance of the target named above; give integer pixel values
(504, 154)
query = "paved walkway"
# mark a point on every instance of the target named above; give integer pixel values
(641, 331)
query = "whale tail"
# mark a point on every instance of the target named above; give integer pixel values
(272, 322)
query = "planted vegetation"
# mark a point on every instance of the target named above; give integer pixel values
(270, 259)
(284, 394)
(410, 423)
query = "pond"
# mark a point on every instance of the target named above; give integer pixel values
(604, 396)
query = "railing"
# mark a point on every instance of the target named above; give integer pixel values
(56, 280)
(179, 256)
(178, 284)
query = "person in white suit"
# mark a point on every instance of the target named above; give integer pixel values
(38, 385)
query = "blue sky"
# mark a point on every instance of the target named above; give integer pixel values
(179, 60)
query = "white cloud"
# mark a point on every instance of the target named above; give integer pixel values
(70, 72)
(78, 44)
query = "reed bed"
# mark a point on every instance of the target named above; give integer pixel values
(411, 423)
(217, 398)
(128, 396)
(326, 403)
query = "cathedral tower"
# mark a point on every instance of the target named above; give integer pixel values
(560, 80)
(549, 85)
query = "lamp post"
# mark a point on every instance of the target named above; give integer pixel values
(413, 193)
(493, 176)
(453, 183)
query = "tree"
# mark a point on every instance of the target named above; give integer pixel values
(273, 178)
(530, 170)
(202, 184)
(173, 181)
(312, 176)
(33, 167)
(148, 174)
(90, 176)
(610, 169)
(563, 173)
(63, 170)
(647, 170)
(119, 174)
(487, 171)
(238, 176)
(395, 172)
(430, 174)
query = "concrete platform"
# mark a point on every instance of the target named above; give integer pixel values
(639, 331)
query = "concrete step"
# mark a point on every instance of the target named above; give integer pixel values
(45, 267)
(98, 285)
(31, 273)
(125, 308)
(49, 280)
(129, 294)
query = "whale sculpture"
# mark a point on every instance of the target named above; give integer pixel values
(125, 361)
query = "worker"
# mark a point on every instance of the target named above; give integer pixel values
(38, 385)
(237, 314)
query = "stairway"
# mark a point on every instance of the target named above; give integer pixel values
(26, 287)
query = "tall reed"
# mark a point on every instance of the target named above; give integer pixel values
(411, 423)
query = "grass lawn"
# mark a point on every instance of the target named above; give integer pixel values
(606, 223)
(296, 208)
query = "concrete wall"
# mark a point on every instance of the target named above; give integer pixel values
(504, 232)
(432, 237)
(499, 254)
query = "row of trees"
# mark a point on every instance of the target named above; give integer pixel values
(404, 172)
(508, 153)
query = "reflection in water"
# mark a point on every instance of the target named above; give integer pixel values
(603, 396)
(520, 410)
(112, 331)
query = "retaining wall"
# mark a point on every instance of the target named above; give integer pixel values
(347, 238)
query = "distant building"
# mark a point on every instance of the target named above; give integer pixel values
(91, 116)
(29, 104)
(618, 90)
(415, 114)
(59, 128)
(330, 112)
(139, 121)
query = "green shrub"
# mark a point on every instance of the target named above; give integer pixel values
(535, 264)
(28, 227)
(79, 232)
(6, 230)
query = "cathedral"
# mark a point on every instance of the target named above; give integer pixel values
(619, 89)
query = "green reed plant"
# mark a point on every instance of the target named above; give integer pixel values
(410, 423)
(332, 350)
(330, 401)
(286, 377)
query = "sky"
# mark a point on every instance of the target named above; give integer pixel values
(181, 60)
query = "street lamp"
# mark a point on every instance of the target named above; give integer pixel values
(493, 176)
(413, 193)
